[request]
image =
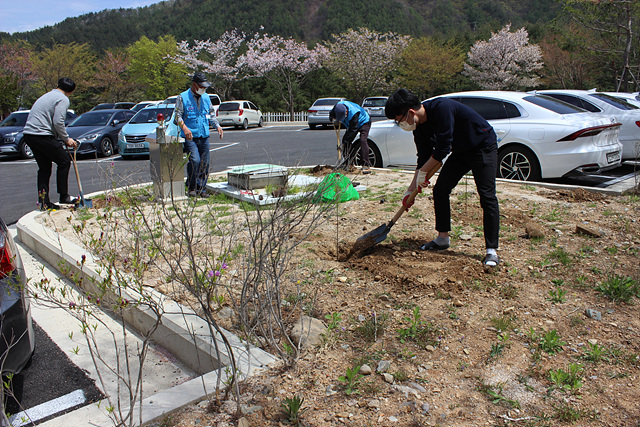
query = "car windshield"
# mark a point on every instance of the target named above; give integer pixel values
(229, 106)
(15, 119)
(615, 101)
(374, 102)
(150, 115)
(330, 101)
(92, 119)
(553, 104)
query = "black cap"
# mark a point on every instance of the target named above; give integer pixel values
(201, 79)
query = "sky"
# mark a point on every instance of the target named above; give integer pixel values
(26, 15)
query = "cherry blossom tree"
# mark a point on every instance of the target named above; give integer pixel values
(506, 62)
(217, 58)
(15, 74)
(112, 76)
(284, 62)
(365, 60)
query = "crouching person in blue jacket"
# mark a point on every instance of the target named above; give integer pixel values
(354, 119)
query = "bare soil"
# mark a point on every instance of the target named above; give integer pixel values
(481, 352)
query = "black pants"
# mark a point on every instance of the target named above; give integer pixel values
(47, 150)
(350, 150)
(483, 163)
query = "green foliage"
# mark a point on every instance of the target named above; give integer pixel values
(567, 381)
(351, 380)
(557, 295)
(550, 342)
(423, 333)
(619, 288)
(292, 407)
(154, 70)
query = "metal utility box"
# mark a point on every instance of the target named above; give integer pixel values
(253, 177)
(167, 165)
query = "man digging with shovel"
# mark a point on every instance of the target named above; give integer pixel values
(355, 119)
(442, 127)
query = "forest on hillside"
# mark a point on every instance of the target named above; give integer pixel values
(283, 54)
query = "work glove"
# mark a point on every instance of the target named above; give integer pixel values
(421, 180)
(405, 199)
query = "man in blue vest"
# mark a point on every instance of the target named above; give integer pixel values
(192, 109)
(354, 119)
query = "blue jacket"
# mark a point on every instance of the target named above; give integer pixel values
(352, 110)
(196, 118)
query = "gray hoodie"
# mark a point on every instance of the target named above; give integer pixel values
(47, 115)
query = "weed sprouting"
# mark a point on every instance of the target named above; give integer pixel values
(619, 288)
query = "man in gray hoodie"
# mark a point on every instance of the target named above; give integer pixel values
(46, 135)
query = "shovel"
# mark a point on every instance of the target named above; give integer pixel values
(337, 129)
(378, 235)
(83, 203)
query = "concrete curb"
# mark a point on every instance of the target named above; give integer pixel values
(178, 333)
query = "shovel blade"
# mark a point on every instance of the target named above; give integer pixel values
(373, 237)
(84, 203)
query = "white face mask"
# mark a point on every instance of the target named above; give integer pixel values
(201, 90)
(404, 125)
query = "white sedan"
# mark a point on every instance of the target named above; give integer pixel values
(538, 136)
(621, 110)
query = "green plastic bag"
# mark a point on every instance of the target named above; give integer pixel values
(336, 187)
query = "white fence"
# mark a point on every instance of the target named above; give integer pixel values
(299, 116)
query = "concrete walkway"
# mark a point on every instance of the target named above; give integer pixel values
(171, 379)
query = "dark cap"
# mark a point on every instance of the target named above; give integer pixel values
(340, 111)
(201, 79)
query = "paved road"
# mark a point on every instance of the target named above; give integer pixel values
(282, 145)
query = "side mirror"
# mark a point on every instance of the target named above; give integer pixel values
(115, 122)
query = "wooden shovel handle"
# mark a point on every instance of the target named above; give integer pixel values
(412, 196)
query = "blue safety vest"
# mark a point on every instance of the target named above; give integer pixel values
(196, 119)
(352, 109)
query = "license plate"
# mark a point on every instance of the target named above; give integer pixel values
(131, 146)
(613, 157)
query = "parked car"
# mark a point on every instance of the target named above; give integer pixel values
(239, 114)
(538, 136)
(97, 131)
(143, 104)
(318, 113)
(114, 106)
(618, 108)
(11, 141)
(131, 138)
(375, 105)
(17, 342)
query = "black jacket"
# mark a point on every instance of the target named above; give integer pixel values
(450, 127)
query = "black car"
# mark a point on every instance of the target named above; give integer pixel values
(11, 142)
(114, 106)
(97, 131)
(17, 342)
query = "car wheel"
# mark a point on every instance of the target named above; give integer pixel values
(245, 124)
(106, 147)
(374, 155)
(312, 127)
(260, 123)
(518, 163)
(25, 151)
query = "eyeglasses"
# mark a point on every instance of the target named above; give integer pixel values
(403, 116)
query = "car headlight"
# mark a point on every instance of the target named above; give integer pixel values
(10, 137)
(88, 138)
(120, 137)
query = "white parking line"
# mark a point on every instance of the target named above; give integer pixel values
(49, 408)
(226, 145)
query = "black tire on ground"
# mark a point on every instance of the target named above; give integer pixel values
(518, 163)
(260, 122)
(312, 127)
(105, 148)
(375, 158)
(25, 151)
(245, 124)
